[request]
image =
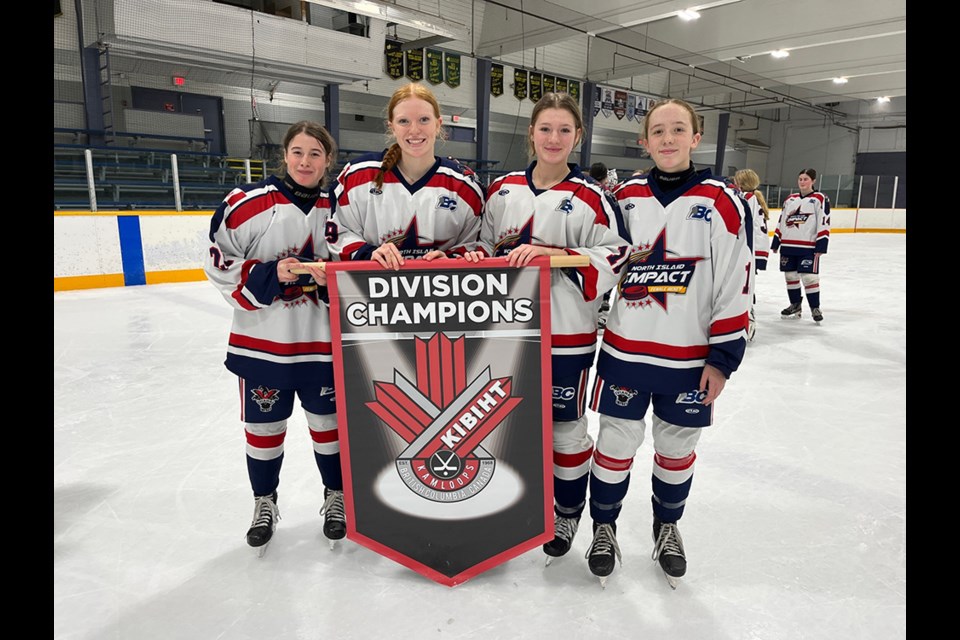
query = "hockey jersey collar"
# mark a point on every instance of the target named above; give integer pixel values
(665, 198)
(413, 188)
(573, 173)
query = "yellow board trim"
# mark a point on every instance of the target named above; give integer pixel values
(71, 283)
(180, 275)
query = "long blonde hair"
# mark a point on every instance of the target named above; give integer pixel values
(748, 180)
(411, 90)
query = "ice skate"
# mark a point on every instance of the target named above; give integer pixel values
(817, 315)
(602, 316)
(668, 550)
(751, 326)
(564, 529)
(793, 311)
(604, 551)
(334, 519)
(265, 516)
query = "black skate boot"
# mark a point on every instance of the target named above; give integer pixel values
(668, 550)
(817, 315)
(265, 516)
(604, 551)
(793, 311)
(334, 519)
(564, 529)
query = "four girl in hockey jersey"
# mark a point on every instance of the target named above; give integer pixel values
(678, 257)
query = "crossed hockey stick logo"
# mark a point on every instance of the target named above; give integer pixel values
(444, 420)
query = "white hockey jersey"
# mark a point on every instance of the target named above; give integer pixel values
(684, 294)
(761, 234)
(575, 216)
(440, 211)
(281, 332)
(804, 225)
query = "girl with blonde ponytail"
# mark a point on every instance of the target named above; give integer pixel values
(405, 202)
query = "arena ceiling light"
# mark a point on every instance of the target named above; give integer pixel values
(389, 12)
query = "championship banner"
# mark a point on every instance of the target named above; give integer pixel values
(414, 64)
(575, 90)
(519, 84)
(453, 69)
(619, 104)
(606, 105)
(535, 86)
(434, 66)
(444, 410)
(640, 108)
(631, 107)
(393, 58)
(548, 83)
(496, 79)
(561, 85)
(596, 101)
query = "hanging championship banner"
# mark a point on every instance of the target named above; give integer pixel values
(393, 58)
(434, 66)
(519, 84)
(536, 90)
(444, 411)
(597, 99)
(561, 85)
(453, 69)
(415, 64)
(619, 104)
(496, 79)
(606, 105)
(640, 108)
(548, 83)
(575, 90)
(631, 106)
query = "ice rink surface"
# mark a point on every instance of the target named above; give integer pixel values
(795, 526)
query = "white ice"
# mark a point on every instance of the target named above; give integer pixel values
(795, 526)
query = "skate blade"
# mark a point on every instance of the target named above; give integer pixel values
(262, 550)
(549, 560)
(673, 582)
(603, 582)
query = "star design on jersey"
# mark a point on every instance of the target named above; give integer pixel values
(513, 237)
(651, 273)
(408, 241)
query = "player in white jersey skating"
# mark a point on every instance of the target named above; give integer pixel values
(675, 334)
(551, 209)
(279, 343)
(802, 235)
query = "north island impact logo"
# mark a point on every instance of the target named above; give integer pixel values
(444, 419)
(650, 274)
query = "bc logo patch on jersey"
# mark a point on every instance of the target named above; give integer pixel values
(700, 212)
(447, 202)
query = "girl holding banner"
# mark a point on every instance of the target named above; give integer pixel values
(552, 209)
(675, 334)
(279, 343)
(405, 202)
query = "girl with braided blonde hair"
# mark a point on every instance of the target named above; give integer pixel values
(405, 202)
(747, 181)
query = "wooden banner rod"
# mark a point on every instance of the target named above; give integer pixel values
(556, 262)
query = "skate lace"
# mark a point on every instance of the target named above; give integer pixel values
(332, 508)
(604, 542)
(668, 542)
(265, 511)
(565, 528)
